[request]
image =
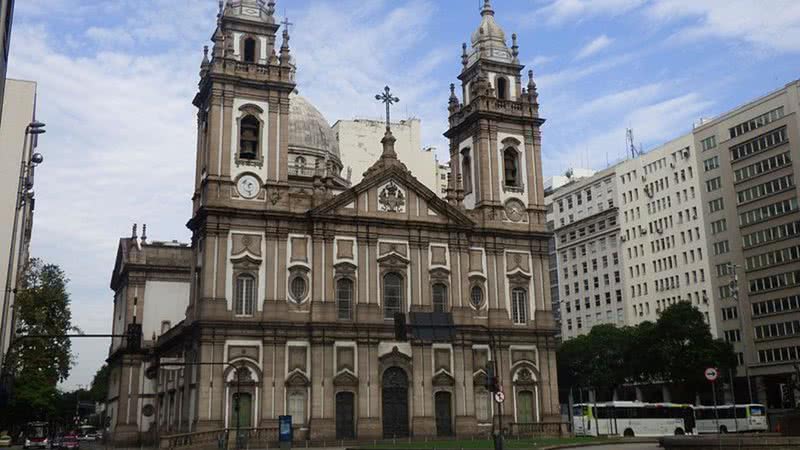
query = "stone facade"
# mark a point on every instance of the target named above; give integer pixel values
(296, 278)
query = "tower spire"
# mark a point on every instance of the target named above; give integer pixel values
(487, 8)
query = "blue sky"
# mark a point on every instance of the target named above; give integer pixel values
(116, 80)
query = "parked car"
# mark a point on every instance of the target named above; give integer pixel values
(5, 440)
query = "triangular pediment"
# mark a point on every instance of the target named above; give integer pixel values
(345, 378)
(392, 191)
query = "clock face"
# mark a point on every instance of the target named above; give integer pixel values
(248, 186)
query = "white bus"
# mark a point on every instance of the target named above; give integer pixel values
(632, 419)
(749, 418)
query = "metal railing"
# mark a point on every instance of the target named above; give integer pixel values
(540, 429)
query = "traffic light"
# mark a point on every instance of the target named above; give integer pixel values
(134, 337)
(400, 327)
(492, 383)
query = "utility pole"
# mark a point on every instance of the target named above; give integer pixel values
(734, 289)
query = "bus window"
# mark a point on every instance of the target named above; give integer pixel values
(741, 412)
(756, 410)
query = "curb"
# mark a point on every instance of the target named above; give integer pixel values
(610, 442)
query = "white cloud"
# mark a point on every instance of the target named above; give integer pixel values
(620, 101)
(541, 60)
(573, 74)
(560, 11)
(774, 25)
(597, 44)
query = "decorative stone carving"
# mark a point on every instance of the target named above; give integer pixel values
(392, 198)
(345, 378)
(443, 379)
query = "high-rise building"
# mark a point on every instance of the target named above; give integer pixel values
(747, 160)
(6, 19)
(20, 108)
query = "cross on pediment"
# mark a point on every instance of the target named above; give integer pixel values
(388, 99)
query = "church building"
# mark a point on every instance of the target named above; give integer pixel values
(284, 302)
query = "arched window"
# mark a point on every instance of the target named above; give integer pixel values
(476, 296)
(249, 50)
(511, 167)
(300, 162)
(298, 287)
(245, 294)
(392, 295)
(249, 131)
(519, 306)
(297, 407)
(466, 171)
(439, 297)
(502, 88)
(344, 298)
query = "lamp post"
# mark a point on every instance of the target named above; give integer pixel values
(734, 289)
(28, 162)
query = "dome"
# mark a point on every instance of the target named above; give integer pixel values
(308, 129)
(489, 31)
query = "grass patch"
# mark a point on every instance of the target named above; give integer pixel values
(488, 444)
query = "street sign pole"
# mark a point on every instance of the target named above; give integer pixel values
(711, 375)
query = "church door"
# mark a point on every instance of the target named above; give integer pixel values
(243, 410)
(345, 409)
(444, 422)
(525, 407)
(395, 403)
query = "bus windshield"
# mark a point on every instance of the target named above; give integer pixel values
(756, 410)
(580, 410)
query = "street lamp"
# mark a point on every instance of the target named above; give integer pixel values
(734, 289)
(28, 162)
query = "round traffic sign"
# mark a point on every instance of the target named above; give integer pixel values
(499, 397)
(711, 374)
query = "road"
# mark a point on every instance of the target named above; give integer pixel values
(623, 446)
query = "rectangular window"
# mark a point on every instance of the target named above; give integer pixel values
(716, 205)
(762, 190)
(776, 233)
(711, 163)
(721, 247)
(713, 184)
(708, 143)
(718, 226)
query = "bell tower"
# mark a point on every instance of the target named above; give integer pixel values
(243, 109)
(495, 140)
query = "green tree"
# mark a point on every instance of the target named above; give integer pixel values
(99, 390)
(597, 360)
(39, 363)
(685, 347)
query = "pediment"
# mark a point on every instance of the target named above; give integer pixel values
(345, 378)
(393, 186)
(443, 379)
(297, 379)
(393, 259)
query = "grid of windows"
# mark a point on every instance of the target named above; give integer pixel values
(776, 305)
(733, 335)
(713, 184)
(780, 281)
(756, 123)
(708, 143)
(776, 233)
(773, 258)
(759, 144)
(711, 163)
(765, 189)
(767, 212)
(778, 354)
(730, 313)
(763, 166)
(779, 329)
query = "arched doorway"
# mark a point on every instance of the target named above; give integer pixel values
(242, 411)
(395, 403)
(444, 415)
(525, 407)
(345, 412)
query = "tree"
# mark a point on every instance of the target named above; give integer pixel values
(596, 360)
(39, 363)
(99, 389)
(686, 348)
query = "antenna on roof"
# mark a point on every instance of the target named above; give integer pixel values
(634, 152)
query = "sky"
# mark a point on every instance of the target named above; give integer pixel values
(116, 79)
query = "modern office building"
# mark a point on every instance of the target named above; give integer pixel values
(20, 108)
(630, 241)
(6, 19)
(747, 159)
